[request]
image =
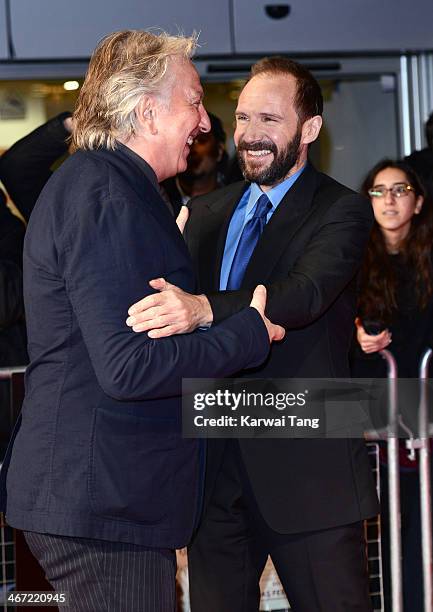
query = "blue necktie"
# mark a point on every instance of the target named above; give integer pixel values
(247, 242)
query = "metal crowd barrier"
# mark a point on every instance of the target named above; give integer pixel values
(394, 485)
(425, 483)
(422, 444)
(7, 373)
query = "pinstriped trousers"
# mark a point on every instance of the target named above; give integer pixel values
(102, 576)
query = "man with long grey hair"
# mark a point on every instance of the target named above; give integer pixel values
(99, 477)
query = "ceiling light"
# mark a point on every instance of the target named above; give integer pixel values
(71, 85)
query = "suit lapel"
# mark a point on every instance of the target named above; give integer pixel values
(290, 215)
(214, 233)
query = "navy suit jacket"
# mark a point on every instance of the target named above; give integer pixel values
(99, 453)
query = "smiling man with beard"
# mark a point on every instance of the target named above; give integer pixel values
(303, 235)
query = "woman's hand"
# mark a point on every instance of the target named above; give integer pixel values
(372, 343)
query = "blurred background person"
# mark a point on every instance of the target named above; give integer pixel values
(13, 339)
(24, 170)
(397, 278)
(27, 165)
(12, 331)
(395, 311)
(206, 168)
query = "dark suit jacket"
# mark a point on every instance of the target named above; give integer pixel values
(307, 257)
(99, 453)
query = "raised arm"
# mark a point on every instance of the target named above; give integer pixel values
(26, 166)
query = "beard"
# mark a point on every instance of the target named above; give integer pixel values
(280, 166)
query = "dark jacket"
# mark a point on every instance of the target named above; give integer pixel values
(27, 165)
(12, 327)
(99, 453)
(422, 163)
(13, 339)
(307, 256)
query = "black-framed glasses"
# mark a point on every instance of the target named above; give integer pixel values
(398, 190)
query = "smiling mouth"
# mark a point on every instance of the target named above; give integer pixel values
(261, 153)
(390, 213)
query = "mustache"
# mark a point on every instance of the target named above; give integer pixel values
(259, 145)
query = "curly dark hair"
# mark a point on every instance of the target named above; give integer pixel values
(378, 282)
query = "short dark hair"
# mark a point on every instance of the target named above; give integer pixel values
(429, 131)
(308, 98)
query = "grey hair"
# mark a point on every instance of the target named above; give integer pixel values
(124, 67)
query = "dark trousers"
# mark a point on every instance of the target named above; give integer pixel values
(321, 571)
(106, 576)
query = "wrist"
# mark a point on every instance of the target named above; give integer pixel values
(205, 314)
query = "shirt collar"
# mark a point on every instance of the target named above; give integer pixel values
(184, 197)
(276, 194)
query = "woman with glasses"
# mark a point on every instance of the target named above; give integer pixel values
(396, 284)
(395, 311)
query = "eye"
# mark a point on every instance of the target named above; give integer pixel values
(241, 118)
(376, 192)
(400, 190)
(268, 119)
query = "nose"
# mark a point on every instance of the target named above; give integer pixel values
(204, 124)
(389, 198)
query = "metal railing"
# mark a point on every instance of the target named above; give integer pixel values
(394, 485)
(422, 445)
(425, 482)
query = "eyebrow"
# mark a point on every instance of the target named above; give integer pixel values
(273, 115)
(393, 185)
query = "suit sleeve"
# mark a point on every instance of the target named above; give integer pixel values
(329, 262)
(111, 253)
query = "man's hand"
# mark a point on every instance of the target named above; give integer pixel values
(171, 311)
(182, 218)
(68, 124)
(275, 332)
(372, 343)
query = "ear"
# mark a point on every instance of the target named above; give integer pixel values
(310, 129)
(146, 112)
(418, 205)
